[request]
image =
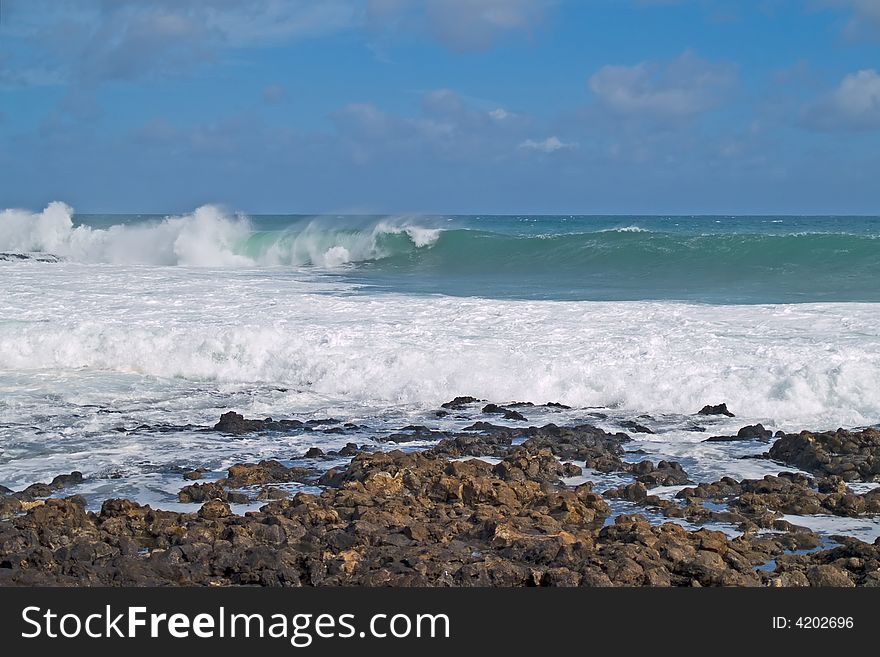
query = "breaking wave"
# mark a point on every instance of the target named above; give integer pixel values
(207, 237)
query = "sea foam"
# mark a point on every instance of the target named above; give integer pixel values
(800, 365)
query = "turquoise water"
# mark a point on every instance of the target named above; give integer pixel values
(709, 259)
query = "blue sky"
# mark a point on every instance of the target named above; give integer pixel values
(507, 106)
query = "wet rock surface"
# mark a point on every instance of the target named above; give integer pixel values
(441, 516)
(506, 413)
(717, 409)
(751, 432)
(851, 455)
(236, 424)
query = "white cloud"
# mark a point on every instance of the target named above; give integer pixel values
(98, 40)
(499, 114)
(548, 145)
(853, 105)
(683, 87)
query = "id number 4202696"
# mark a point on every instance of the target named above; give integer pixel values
(814, 623)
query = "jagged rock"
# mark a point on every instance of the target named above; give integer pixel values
(265, 472)
(718, 409)
(851, 455)
(421, 519)
(460, 402)
(236, 424)
(754, 431)
(506, 413)
(350, 449)
(665, 473)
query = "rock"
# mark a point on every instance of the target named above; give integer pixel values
(506, 413)
(635, 492)
(350, 449)
(597, 449)
(64, 480)
(236, 424)
(36, 490)
(635, 426)
(493, 444)
(37, 257)
(665, 473)
(265, 472)
(751, 432)
(414, 433)
(193, 475)
(272, 493)
(827, 575)
(850, 455)
(202, 492)
(754, 431)
(460, 402)
(9, 507)
(718, 409)
(213, 509)
(426, 518)
(314, 453)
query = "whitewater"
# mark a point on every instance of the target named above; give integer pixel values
(171, 321)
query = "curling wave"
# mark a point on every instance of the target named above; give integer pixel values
(207, 237)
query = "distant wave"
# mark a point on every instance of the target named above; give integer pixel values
(625, 229)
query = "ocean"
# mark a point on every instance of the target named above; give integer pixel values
(124, 337)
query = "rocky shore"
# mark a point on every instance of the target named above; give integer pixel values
(486, 506)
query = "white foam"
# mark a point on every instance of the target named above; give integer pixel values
(866, 529)
(791, 366)
(205, 238)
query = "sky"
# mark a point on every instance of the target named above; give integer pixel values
(442, 106)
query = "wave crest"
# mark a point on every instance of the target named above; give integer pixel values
(207, 237)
